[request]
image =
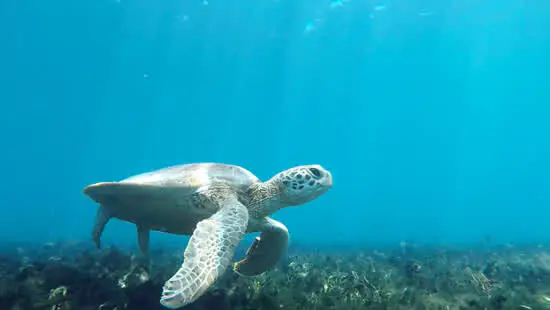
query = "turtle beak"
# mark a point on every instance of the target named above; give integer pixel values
(329, 180)
(326, 179)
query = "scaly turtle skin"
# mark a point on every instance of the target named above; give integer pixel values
(216, 204)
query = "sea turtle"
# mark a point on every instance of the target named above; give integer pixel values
(214, 203)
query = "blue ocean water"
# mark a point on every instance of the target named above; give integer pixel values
(433, 116)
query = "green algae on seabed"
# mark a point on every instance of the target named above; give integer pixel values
(67, 277)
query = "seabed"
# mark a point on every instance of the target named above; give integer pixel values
(66, 276)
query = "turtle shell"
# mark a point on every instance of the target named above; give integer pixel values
(162, 199)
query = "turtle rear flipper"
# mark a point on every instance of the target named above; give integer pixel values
(266, 250)
(101, 219)
(143, 238)
(208, 254)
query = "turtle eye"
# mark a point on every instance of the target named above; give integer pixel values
(316, 173)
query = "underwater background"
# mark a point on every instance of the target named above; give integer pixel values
(432, 116)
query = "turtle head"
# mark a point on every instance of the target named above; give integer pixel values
(302, 184)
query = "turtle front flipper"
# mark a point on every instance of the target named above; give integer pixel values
(101, 219)
(266, 250)
(208, 254)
